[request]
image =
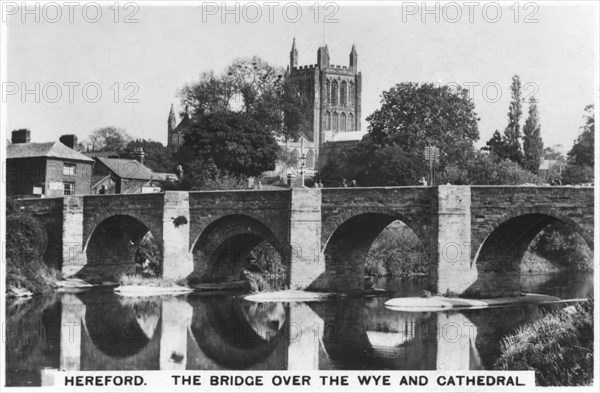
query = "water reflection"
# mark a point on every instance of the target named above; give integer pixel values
(98, 330)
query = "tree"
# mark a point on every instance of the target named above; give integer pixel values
(156, 156)
(413, 116)
(533, 145)
(253, 87)
(512, 133)
(234, 142)
(497, 146)
(580, 159)
(108, 139)
(582, 152)
(487, 169)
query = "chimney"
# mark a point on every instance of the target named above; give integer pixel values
(69, 140)
(138, 154)
(21, 136)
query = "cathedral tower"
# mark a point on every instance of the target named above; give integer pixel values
(333, 90)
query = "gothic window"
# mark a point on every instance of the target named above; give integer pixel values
(335, 121)
(343, 94)
(334, 93)
(294, 157)
(343, 125)
(351, 95)
(350, 122)
(310, 159)
(328, 120)
(327, 91)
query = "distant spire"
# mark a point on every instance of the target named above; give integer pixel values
(172, 122)
(353, 58)
(293, 55)
(323, 57)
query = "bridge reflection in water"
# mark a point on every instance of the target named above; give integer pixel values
(194, 332)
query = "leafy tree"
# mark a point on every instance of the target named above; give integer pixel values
(253, 87)
(412, 116)
(512, 133)
(202, 175)
(497, 145)
(533, 145)
(234, 142)
(156, 156)
(486, 169)
(580, 168)
(108, 139)
(582, 152)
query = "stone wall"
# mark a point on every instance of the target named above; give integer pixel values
(352, 218)
(504, 221)
(475, 236)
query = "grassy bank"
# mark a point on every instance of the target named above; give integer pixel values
(558, 347)
(26, 242)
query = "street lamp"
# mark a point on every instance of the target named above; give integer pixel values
(432, 155)
(302, 160)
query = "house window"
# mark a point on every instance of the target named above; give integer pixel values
(68, 188)
(69, 169)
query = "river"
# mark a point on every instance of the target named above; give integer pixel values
(100, 330)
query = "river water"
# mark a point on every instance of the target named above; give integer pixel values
(99, 330)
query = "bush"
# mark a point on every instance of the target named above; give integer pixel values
(148, 259)
(26, 242)
(562, 248)
(397, 251)
(558, 347)
(486, 169)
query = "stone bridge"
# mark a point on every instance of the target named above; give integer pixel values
(474, 236)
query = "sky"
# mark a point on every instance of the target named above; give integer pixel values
(141, 65)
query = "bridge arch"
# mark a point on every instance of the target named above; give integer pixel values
(119, 333)
(222, 331)
(222, 248)
(348, 238)
(498, 251)
(111, 246)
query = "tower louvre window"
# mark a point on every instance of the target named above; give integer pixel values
(328, 120)
(327, 91)
(350, 122)
(343, 126)
(343, 94)
(335, 121)
(334, 93)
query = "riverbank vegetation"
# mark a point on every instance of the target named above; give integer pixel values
(26, 242)
(558, 347)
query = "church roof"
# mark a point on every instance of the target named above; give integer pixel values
(183, 124)
(348, 136)
(48, 149)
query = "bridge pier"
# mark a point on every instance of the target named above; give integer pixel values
(73, 257)
(454, 272)
(178, 261)
(307, 265)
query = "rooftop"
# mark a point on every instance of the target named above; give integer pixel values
(48, 149)
(126, 168)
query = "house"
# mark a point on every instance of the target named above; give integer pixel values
(127, 176)
(51, 169)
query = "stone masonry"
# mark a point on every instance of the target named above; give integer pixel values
(474, 236)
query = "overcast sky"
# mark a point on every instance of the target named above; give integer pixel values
(170, 46)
